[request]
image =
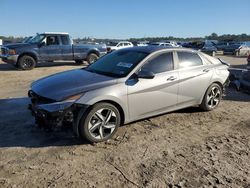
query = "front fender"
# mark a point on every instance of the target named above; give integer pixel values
(116, 93)
(31, 53)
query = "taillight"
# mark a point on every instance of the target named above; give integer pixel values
(248, 59)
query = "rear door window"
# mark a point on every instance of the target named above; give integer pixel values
(189, 59)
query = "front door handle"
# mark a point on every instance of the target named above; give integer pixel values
(171, 78)
(206, 70)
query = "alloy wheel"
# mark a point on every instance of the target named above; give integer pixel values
(102, 123)
(27, 63)
(213, 97)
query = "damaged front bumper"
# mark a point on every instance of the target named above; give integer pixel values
(52, 115)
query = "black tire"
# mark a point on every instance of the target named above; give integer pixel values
(26, 62)
(91, 58)
(211, 102)
(79, 62)
(85, 132)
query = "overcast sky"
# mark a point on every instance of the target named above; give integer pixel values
(125, 18)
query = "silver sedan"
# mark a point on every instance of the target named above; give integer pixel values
(125, 86)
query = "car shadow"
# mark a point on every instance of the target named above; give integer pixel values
(18, 128)
(9, 67)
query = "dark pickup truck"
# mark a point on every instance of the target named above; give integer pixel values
(49, 47)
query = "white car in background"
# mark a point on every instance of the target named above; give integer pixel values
(143, 43)
(161, 44)
(118, 45)
(173, 43)
(166, 44)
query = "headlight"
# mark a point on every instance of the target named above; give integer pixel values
(55, 107)
(12, 51)
(60, 106)
(73, 98)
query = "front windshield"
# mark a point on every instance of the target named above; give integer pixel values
(27, 39)
(118, 63)
(37, 39)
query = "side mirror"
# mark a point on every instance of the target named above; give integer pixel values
(41, 44)
(146, 74)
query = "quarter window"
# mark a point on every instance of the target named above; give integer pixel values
(159, 64)
(188, 59)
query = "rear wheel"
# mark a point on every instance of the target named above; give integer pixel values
(212, 97)
(100, 123)
(26, 62)
(91, 58)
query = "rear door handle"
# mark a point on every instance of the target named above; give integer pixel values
(171, 78)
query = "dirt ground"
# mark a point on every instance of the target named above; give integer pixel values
(187, 148)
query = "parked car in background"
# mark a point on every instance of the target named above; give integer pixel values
(127, 85)
(207, 47)
(245, 81)
(221, 45)
(238, 48)
(244, 49)
(161, 44)
(50, 47)
(111, 46)
(142, 43)
(173, 43)
(248, 62)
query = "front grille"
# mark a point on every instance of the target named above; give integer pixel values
(37, 99)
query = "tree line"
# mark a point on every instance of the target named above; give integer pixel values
(213, 36)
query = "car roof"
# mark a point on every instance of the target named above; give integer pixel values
(55, 33)
(151, 49)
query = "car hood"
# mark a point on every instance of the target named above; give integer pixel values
(63, 85)
(17, 45)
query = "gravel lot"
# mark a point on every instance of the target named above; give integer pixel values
(187, 148)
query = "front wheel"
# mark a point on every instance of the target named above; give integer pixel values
(91, 58)
(100, 123)
(212, 97)
(26, 62)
